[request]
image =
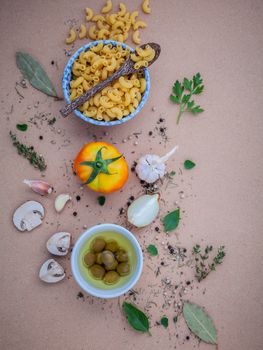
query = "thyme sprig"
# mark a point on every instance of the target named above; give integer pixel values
(29, 153)
(203, 266)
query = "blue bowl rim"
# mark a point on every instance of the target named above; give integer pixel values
(91, 120)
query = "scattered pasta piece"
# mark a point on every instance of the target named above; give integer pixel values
(72, 37)
(117, 100)
(146, 6)
(89, 14)
(108, 7)
(82, 31)
(136, 37)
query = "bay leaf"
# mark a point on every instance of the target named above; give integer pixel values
(199, 323)
(34, 73)
(189, 164)
(136, 318)
(152, 250)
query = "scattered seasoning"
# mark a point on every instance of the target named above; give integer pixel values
(150, 133)
(29, 153)
(52, 62)
(204, 265)
(157, 229)
(131, 198)
(52, 121)
(78, 198)
(101, 200)
(75, 213)
(187, 337)
(175, 319)
(132, 168)
(40, 137)
(80, 296)
(121, 211)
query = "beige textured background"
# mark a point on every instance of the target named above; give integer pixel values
(223, 195)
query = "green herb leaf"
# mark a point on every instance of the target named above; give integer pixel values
(152, 250)
(194, 87)
(175, 319)
(101, 200)
(136, 318)
(22, 127)
(171, 220)
(164, 321)
(34, 73)
(199, 323)
(188, 164)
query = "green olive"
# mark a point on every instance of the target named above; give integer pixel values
(122, 255)
(112, 246)
(123, 269)
(112, 266)
(89, 259)
(97, 271)
(111, 277)
(98, 245)
(98, 259)
(107, 258)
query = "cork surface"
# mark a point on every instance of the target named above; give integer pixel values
(220, 199)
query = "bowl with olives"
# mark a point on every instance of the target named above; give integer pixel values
(106, 261)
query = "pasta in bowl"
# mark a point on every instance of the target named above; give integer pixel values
(118, 102)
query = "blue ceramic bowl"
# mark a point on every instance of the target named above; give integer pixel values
(67, 76)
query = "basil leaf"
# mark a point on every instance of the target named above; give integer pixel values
(164, 321)
(136, 318)
(101, 200)
(199, 323)
(34, 73)
(152, 250)
(171, 220)
(188, 164)
(22, 127)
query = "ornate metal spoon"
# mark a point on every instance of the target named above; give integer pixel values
(126, 69)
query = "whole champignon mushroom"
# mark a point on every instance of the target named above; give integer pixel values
(28, 216)
(59, 243)
(51, 272)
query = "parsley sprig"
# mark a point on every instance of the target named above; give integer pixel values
(202, 266)
(182, 93)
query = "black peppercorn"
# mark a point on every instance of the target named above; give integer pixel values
(75, 213)
(40, 137)
(150, 133)
(78, 198)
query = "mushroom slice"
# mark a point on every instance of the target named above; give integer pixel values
(51, 271)
(59, 243)
(28, 216)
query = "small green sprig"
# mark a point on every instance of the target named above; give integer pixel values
(29, 153)
(192, 87)
(202, 266)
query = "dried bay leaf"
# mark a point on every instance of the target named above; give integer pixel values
(34, 73)
(199, 323)
(136, 318)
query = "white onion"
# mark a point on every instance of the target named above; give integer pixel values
(143, 210)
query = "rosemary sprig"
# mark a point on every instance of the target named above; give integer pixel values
(29, 153)
(202, 266)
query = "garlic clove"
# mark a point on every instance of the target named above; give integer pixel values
(143, 210)
(28, 216)
(39, 186)
(51, 272)
(59, 243)
(61, 201)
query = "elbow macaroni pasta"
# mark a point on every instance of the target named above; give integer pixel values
(142, 57)
(146, 6)
(115, 26)
(117, 100)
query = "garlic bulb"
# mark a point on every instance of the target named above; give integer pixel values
(61, 201)
(151, 167)
(143, 210)
(39, 186)
(51, 271)
(59, 243)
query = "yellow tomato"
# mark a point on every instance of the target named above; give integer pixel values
(101, 167)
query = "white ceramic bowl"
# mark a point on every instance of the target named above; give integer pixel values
(84, 284)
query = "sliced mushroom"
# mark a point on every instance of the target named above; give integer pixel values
(59, 243)
(61, 201)
(28, 216)
(51, 271)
